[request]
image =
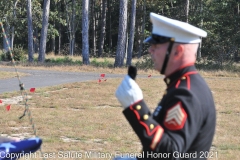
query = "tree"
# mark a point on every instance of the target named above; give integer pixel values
(199, 52)
(103, 26)
(93, 28)
(218, 17)
(60, 25)
(131, 31)
(7, 26)
(13, 27)
(43, 40)
(187, 10)
(121, 45)
(85, 42)
(7, 40)
(71, 24)
(30, 31)
(110, 23)
(140, 51)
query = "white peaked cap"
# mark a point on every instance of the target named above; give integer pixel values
(181, 32)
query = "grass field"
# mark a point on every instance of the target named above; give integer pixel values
(77, 119)
(4, 75)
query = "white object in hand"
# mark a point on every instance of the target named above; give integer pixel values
(128, 92)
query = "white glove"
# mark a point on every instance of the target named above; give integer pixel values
(128, 92)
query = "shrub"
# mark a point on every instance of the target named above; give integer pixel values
(66, 60)
(145, 63)
(103, 64)
(18, 55)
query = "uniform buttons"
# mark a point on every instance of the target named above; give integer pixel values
(138, 107)
(183, 78)
(145, 117)
(151, 126)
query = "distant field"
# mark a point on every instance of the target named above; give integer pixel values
(84, 117)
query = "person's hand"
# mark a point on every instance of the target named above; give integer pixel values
(128, 92)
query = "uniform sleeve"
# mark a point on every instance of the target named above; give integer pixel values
(174, 131)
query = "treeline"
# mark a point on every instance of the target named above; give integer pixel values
(115, 28)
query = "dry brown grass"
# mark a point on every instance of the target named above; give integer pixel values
(5, 75)
(219, 73)
(227, 97)
(84, 68)
(87, 117)
(80, 68)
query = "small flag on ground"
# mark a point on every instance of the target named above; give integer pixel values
(32, 90)
(0, 101)
(8, 107)
(102, 75)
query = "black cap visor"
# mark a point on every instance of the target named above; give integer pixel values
(156, 39)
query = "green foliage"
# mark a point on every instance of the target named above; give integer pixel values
(220, 18)
(103, 64)
(145, 63)
(18, 53)
(210, 65)
(66, 61)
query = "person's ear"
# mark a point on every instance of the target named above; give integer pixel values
(179, 51)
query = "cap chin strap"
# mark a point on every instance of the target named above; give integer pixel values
(167, 56)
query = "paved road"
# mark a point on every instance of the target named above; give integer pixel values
(43, 78)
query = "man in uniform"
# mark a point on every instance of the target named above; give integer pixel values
(183, 124)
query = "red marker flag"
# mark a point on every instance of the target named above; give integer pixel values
(102, 75)
(99, 80)
(8, 107)
(32, 90)
(0, 101)
(149, 75)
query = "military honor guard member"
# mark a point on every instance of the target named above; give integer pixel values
(183, 123)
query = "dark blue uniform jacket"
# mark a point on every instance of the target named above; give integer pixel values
(182, 125)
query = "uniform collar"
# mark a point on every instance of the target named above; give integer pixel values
(178, 74)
